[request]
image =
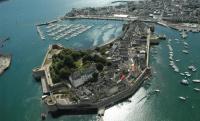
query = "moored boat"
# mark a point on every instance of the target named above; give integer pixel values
(184, 82)
(196, 89)
(182, 98)
(196, 80)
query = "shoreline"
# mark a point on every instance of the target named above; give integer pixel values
(6, 59)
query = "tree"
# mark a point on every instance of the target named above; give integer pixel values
(76, 55)
(64, 73)
(99, 59)
(87, 58)
(95, 76)
(99, 67)
(109, 63)
(68, 61)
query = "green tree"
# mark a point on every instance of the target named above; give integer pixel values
(68, 61)
(95, 76)
(99, 67)
(64, 73)
(76, 55)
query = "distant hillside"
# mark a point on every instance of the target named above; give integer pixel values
(2, 0)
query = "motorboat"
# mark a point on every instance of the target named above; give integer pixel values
(196, 81)
(184, 34)
(182, 98)
(188, 75)
(196, 89)
(157, 90)
(185, 51)
(184, 82)
(192, 68)
(44, 96)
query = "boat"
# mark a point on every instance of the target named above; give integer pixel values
(184, 82)
(44, 96)
(196, 89)
(177, 60)
(182, 74)
(43, 116)
(184, 34)
(176, 70)
(185, 51)
(157, 90)
(188, 75)
(182, 98)
(176, 39)
(185, 43)
(192, 68)
(196, 81)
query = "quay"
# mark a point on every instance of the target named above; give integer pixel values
(176, 26)
(41, 34)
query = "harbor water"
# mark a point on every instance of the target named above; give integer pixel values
(20, 94)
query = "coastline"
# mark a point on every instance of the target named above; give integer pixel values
(5, 60)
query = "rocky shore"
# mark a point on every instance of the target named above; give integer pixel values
(5, 61)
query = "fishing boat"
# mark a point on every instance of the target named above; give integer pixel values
(182, 74)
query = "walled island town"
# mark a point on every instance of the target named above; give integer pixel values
(99, 60)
